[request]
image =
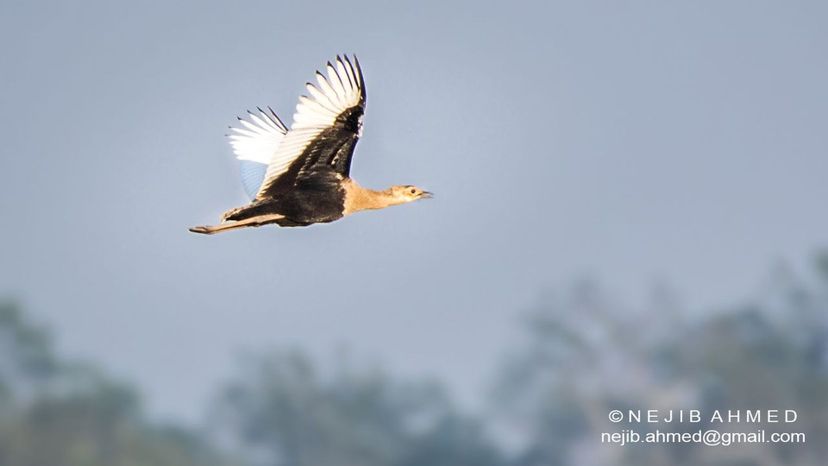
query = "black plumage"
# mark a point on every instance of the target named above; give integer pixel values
(317, 197)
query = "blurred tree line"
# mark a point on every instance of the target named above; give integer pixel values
(585, 355)
(582, 354)
(55, 412)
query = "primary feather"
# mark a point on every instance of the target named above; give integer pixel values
(324, 131)
(325, 128)
(257, 140)
(254, 145)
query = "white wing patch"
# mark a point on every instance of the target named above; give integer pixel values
(341, 90)
(258, 139)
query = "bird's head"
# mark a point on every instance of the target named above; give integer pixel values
(408, 193)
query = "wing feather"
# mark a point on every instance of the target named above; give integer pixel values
(333, 78)
(321, 98)
(259, 139)
(329, 91)
(344, 76)
(325, 122)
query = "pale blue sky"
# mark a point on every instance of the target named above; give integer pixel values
(632, 141)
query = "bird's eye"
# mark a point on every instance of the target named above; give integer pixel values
(413, 191)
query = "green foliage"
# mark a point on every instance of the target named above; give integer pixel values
(583, 355)
(586, 356)
(27, 357)
(286, 411)
(66, 414)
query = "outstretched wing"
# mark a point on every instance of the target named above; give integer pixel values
(325, 129)
(254, 144)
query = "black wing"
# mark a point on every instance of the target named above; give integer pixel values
(325, 129)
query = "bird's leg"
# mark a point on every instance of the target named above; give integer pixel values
(231, 225)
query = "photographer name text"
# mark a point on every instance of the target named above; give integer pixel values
(693, 416)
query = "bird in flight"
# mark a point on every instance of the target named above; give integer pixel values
(301, 176)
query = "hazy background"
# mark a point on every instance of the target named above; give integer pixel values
(646, 144)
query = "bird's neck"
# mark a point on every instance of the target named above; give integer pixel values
(358, 198)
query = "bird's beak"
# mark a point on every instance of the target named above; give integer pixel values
(426, 195)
